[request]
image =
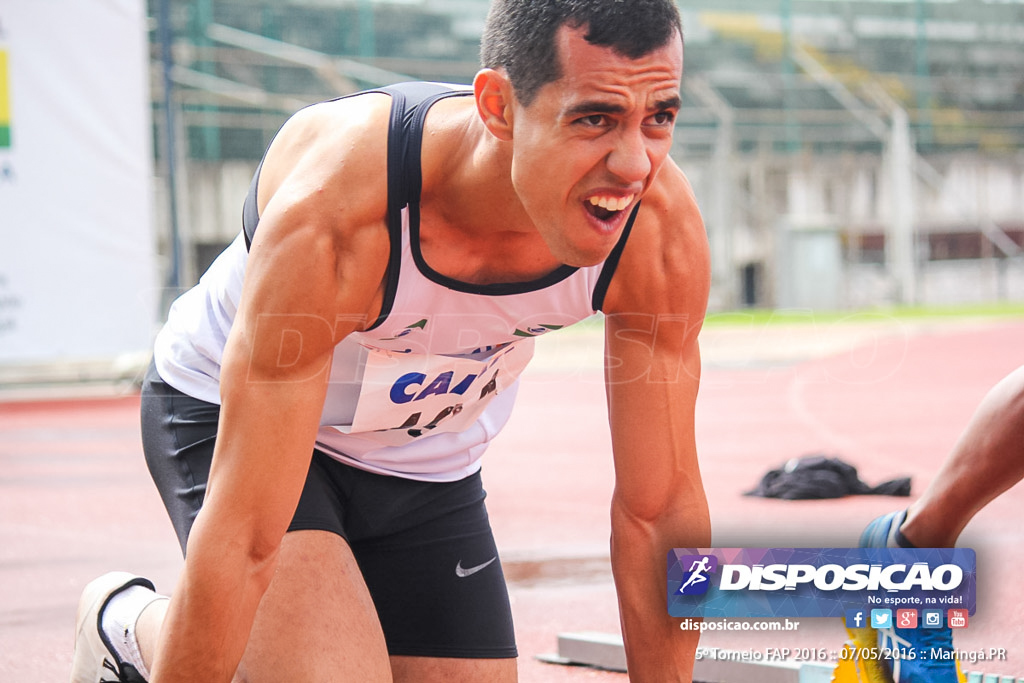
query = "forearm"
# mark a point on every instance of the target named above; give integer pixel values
(654, 309)
(212, 610)
(656, 648)
(264, 443)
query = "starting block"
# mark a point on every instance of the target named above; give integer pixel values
(589, 648)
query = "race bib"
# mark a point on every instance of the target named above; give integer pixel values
(406, 396)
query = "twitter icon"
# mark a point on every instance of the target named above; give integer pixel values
(881, 618)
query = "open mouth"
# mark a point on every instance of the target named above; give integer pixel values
(606, 208)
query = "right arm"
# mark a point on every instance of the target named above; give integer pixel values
(313, 275)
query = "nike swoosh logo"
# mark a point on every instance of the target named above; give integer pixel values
(463, 572)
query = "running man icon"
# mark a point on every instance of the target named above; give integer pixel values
(699, 570)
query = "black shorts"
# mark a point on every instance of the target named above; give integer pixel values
(425, 549)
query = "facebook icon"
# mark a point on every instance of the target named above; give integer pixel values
(856, 618)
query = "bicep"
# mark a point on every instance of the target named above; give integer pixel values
(273, 383)
(303, 292)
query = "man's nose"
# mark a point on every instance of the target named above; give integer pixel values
(630, 159)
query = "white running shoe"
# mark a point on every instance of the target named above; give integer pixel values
(95, 659)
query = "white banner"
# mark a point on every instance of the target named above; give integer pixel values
(77, 265)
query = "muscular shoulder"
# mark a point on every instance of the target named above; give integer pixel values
(322, 244)
(330, 159)
(665, 267)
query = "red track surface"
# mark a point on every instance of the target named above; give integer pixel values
(76, 500)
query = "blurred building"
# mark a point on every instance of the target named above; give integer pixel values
(845, 154)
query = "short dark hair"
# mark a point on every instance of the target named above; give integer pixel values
(519, 35)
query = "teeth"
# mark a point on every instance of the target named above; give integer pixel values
(612, 203)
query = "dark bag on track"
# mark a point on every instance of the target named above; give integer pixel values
(818, 476)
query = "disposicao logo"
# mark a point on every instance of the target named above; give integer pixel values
(697, 579)
(818, 582)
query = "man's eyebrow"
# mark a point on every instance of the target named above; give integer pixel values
(594, 107)
(669, 103)
(601, 107)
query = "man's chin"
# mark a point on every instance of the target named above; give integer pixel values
(585, 260)
(582, 253)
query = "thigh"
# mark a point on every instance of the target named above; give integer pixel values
(435, 577)
(178, 434)
(447, 669)
(316, 622)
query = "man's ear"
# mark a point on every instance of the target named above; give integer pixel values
(494, 99)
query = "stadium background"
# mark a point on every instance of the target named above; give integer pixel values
(845, 154)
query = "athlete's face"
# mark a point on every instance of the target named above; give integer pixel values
(590, 144)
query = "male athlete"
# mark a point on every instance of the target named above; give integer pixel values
(319, 403)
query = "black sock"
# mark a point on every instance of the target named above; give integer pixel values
(902, 541)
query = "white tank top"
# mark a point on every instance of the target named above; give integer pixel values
(421, 393)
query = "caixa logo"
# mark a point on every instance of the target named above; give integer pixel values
(697, 578)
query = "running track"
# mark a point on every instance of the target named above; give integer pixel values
(888, 397)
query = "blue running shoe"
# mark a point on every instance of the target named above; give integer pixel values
(928, 652)
(882, 532)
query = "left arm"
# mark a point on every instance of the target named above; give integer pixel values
(655, 306)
